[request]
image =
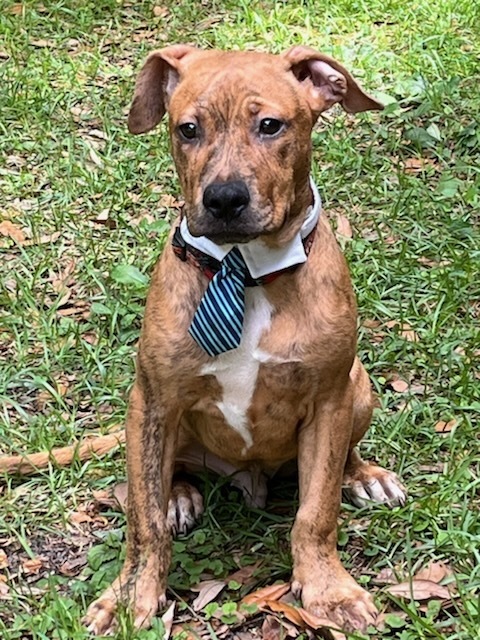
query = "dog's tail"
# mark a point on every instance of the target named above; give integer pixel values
(83, 450)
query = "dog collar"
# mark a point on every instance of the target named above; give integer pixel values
(264, 264)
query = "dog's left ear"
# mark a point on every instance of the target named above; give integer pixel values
(155, 84)
(327, 82)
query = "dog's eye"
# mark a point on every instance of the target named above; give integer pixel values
(188, 130)
(270, 126)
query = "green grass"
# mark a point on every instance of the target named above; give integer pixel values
(93, 199)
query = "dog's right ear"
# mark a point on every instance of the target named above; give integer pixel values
(155, 84)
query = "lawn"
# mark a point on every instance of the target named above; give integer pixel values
(84, 212)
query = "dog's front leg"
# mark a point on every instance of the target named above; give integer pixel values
(151, 442)
(326, 587)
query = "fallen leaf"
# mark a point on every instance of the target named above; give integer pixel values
(74, 566)
(208, 591)
(272, 592)
(167, 620)
(316, 622)
(344, 227)
(16, 9)
(4, 588)
(409, 335)
(120, 493)
(42, 43)
(400, 386)
(10, 230)
(45, 239)
(445, 427)
(3, 559)
(243, 575)
(272, 629)
(78, 517)
(419, 590)
(291, 613)
(415, 165)
(105, 498)
(32, 565)
(98, 133)
(160, 12)
(95, 158)
(169, 202)
(434, 572)
(386, 576)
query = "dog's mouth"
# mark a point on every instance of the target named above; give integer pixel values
(231, 237)
(221, 232)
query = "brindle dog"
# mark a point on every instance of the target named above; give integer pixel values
(240, 125)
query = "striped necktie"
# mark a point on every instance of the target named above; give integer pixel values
(218, 321)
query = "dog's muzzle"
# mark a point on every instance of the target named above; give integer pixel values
(226, 201)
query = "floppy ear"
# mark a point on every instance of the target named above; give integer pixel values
(155, 84)
(327, 82)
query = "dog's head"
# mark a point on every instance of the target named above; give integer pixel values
(240, 125)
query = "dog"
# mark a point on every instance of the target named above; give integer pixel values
(246, 359)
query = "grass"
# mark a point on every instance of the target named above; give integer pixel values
(95, 204)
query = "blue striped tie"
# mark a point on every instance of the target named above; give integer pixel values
(218, 321)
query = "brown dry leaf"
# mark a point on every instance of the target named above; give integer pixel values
(3, 559)
(445, 427)
(434, 572)
(32, 565)
(243, 575)
(120, 493)
(272, 592)
(167, 620)
(169, 202)
(291, 613)
(42, 43)
(370, 323)
(98, 133)
(95, 158)
(410, 335)
(45, 239)
(344, 228)
(16, 9)
(74, 566)
(316, 622)
(272, 629)
(160, 12)
(62, 279)
(400, 386)
(90, 337)
(78, 517)
(415, 165)
(386, 576)
(420, 590)
(4, 588)
(391, 323)
(105, 498)
(10, 230)
(207, 592)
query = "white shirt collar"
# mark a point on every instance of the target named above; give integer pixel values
(260, 258)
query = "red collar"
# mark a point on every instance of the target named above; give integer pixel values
(209, 266)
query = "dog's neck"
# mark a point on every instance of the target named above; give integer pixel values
(260, 258)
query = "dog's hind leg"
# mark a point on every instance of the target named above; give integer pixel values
(364, 482)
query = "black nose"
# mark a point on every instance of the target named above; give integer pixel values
(226, 200)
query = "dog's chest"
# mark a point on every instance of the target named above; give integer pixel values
(237, 371)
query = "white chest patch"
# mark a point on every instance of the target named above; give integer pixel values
(237, 370)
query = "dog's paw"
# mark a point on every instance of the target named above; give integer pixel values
(344, 603)
(139, 592)
(184, 507)
(370, 483)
